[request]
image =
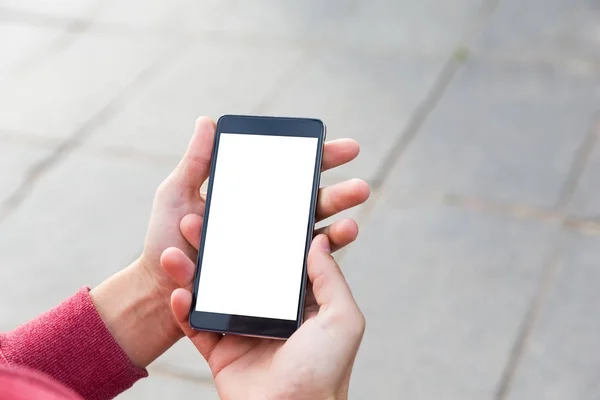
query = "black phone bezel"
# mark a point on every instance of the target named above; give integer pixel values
(249, 325)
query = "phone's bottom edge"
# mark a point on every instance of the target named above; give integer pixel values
(246, 334)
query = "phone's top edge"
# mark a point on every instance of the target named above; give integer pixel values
(269, 117)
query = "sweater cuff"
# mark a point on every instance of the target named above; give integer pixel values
(72, 344)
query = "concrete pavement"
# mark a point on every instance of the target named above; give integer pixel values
(477, 264)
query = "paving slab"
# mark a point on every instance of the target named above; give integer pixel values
(444, 291)
(175, 16)
(423, 27)
(339, 87)
(77, 82)
(159, 387)
(15, 162)
(542, 29)
(427, 27)
(503, 132)
(360, 96)
(586, 199)
(561, 359)
(306, 20)
(209, 79)
(84, 221)
(59, 8)
(20, 43)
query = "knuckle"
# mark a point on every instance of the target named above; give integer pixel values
(168, 183)
(356, 323)
(350, 321)
(356, 328)
(163, 188)
(169, 192)
(361, 322)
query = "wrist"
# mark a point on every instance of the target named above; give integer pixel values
(137, 313)
(160, 297)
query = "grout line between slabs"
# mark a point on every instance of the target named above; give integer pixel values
(578, 165)
(431, 100)
(286, 79)
(541, 295)
(108, 151)
(75, 24)
(70, 28)
(67, 146)
(584, 225)
(425, 107)
(551, 267)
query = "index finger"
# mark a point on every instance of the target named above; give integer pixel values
(339, 152)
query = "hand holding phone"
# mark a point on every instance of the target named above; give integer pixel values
(314, 363)
(241, 365)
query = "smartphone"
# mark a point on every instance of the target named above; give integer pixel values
(258, 225)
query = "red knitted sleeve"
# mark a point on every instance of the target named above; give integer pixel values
(71, 344)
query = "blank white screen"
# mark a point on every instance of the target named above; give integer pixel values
(257, 225)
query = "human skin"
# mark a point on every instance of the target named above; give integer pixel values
(137, 299)
(314, 363)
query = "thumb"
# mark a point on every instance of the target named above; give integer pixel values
(194, 167)
(328, 283)
(205, 342)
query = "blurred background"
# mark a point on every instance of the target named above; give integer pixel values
(478, 264)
